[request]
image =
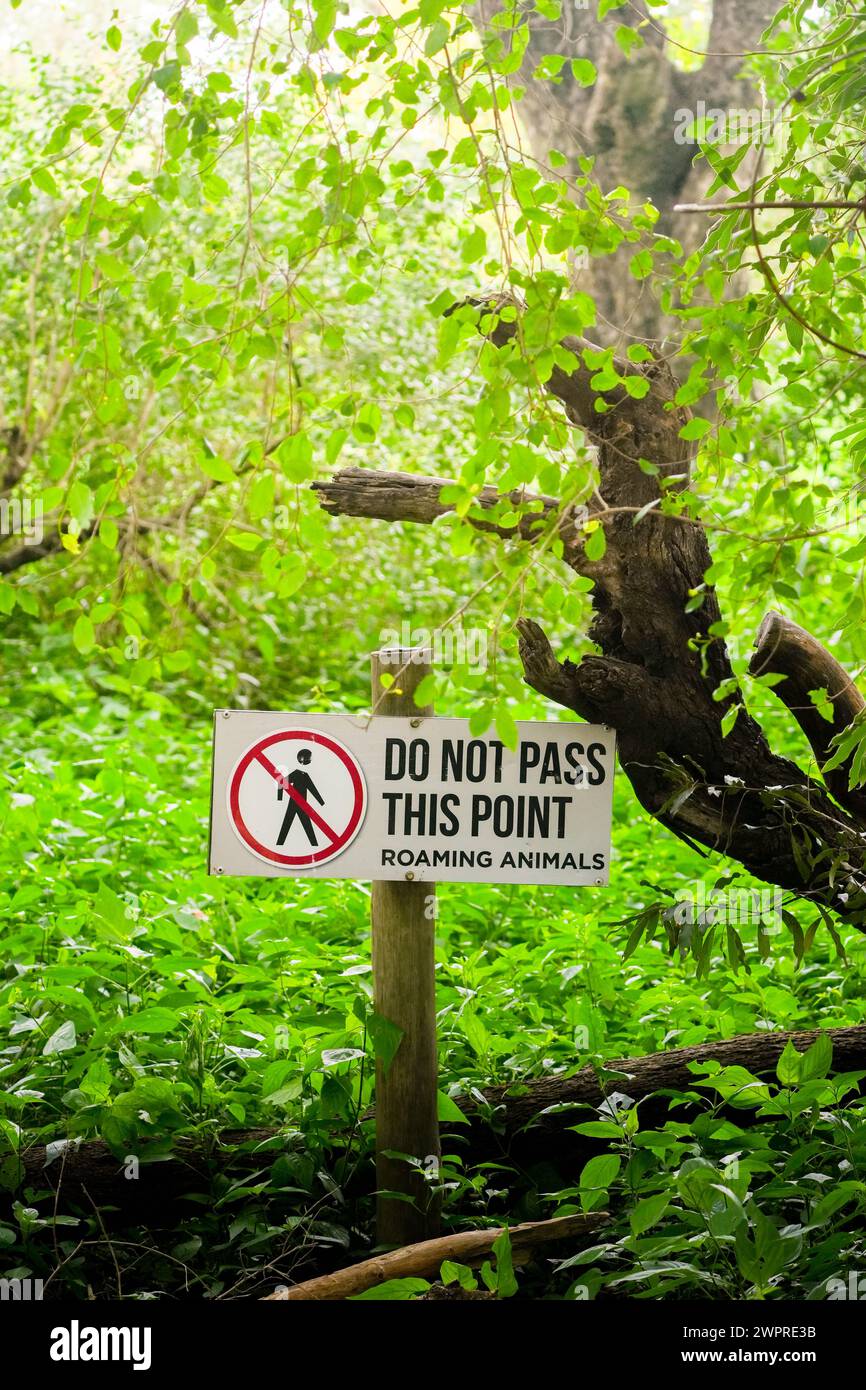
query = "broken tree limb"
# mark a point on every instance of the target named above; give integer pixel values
(523, 1122)
(424, 1260)
(783, 648)
(365, 492)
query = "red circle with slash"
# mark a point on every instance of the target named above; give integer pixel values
(339, 836)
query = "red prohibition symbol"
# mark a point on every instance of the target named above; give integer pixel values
(322, 800)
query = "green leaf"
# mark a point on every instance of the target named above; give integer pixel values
(111, 910)
(696, 428)
(260, 502)
(80, 504)
(823, 704)
(108, 533)
(386, 1038)
(595, 1178)
(506, 728)
(167, 76)
(323, 24)
(44, 181)
(506, 1284)
(83, 635)
(186, 26)
(475, 1033)
(295, 457)
(437, 38)
(628, 39)
(392, 1291)
(821, 277)
(96, 1082)
(61, 1040)
(788, 1067)
(641, 265)
(244, 540)
(595, 545)
(696, 1181)
(583, 71)
(833, 1201)
(451, 1272)
(187, 1249)
(217, 468)
(155, 1020)
(815, 1063)
(112, 267)
(636, 386)
(648, 1212)
(448, 1112)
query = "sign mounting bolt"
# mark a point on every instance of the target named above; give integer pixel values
(410, 874)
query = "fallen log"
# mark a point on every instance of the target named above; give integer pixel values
(529, 1122)
(424, 1260)
(537, 1123)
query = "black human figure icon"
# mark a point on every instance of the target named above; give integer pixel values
(305, 787)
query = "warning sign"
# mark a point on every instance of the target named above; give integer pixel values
(389, 798)
(297, 798)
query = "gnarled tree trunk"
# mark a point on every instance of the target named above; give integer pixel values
(662, 660)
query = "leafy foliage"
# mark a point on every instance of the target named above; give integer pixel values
(230, 247)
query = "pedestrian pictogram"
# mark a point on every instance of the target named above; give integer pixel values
(297, 797)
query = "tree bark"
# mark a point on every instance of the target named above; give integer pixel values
(783, 648)
(643, 1079)
(627, 123)
(405, 497)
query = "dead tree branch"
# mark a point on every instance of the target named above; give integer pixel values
(424, 1259)
(783, 648)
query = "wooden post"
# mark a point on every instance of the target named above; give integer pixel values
(403, 930)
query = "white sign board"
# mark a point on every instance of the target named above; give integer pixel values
(350, 796)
